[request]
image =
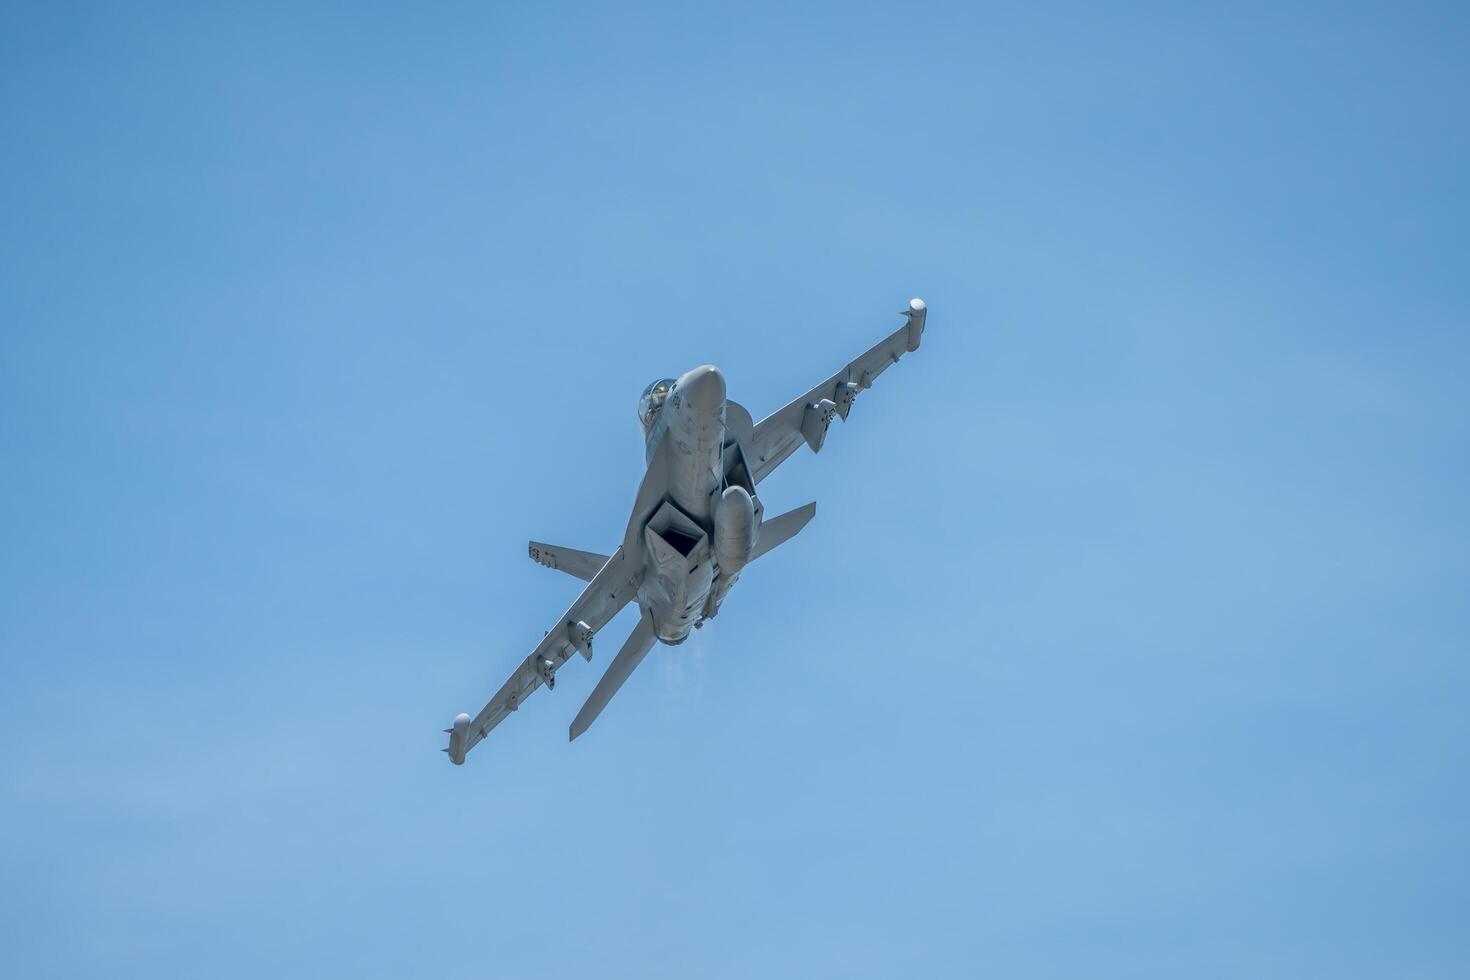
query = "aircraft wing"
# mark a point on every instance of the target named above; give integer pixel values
(612, 588)
(805, 419)
(609, 589)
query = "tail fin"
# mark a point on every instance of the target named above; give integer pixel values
(779, 530)
(583, 564)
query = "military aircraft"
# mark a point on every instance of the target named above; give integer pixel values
(697, 522)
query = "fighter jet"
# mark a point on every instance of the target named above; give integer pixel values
(697, 522)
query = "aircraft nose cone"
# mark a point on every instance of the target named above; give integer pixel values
(703, 389)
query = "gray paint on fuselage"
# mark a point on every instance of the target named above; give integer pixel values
(692, 419)
(681, 552)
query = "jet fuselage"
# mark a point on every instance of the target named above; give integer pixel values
(695, 523)
(682, 568)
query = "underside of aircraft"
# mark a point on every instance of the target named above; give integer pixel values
(697, 522)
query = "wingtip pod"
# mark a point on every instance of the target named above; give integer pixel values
(458, 736)
(916, 313)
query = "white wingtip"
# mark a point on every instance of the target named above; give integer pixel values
(457, 736)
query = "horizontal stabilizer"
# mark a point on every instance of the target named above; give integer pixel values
(583, 564)
(779, 530)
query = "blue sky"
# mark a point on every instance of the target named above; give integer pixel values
(1130, 638)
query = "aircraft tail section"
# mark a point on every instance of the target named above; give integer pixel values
(583, 564)
(779, 530)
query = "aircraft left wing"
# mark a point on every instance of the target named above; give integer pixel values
(614, 585)
(805, 419)
(612, 588)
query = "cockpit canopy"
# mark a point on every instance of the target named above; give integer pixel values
(653, 400)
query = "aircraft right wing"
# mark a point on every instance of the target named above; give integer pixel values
(805, 419)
